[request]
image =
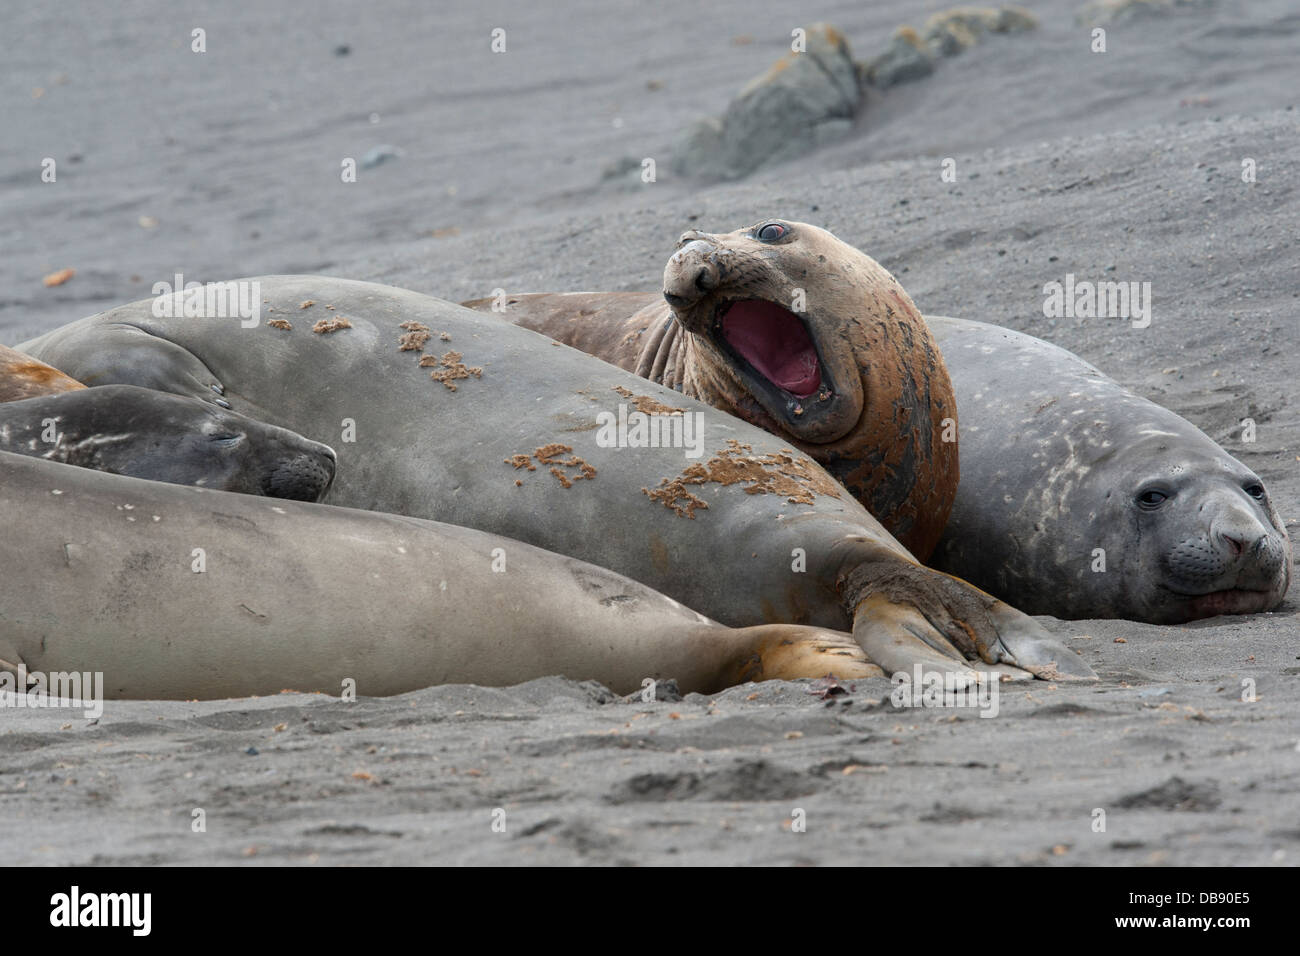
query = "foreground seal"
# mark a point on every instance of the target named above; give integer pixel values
(175, 592)
(501, 432)
(1080, 499)
(128, 430)
(789, 328)
(22, 376)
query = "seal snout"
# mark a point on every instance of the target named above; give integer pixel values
(1237, 565)
(305, 476)
(1246, 543)
(692, 273)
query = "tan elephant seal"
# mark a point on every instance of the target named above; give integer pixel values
(177, 592)
(789, 328)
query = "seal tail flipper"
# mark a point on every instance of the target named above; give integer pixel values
(792, 651)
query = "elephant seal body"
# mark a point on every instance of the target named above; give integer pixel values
(789, 328)
(1080, 499)
(183, 593)
(22, 376)
(142, 433)
(502, 432)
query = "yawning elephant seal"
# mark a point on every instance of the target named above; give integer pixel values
(789, 328)
(1080, 499)
(503, 433)
(175, 592)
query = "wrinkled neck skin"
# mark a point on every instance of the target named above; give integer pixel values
(666, 352)
(678, 359)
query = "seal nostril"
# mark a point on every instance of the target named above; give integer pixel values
(704, 280)
(1233, 544)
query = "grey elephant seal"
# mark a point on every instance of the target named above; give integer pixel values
(22, 376)
(142, 433)
(784, 325)
(501, 432)
(182, 593)
(1080, 499)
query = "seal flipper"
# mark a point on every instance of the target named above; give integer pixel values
(1027, 644)
(999, 634)
(904, 615)
(793, 651)
(117, 353)
(898, 638)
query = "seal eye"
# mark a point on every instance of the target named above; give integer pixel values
(1151, 498)
(770, 232)
(228, 440)
(1255, 490)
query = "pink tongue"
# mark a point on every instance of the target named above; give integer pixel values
(774, 342)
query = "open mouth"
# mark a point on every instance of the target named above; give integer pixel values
(775, 343)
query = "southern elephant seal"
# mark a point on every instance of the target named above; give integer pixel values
(22, 376)
(503, 432)
(143, 433)
(789, 328)
(1078, 498)
(176, 592)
